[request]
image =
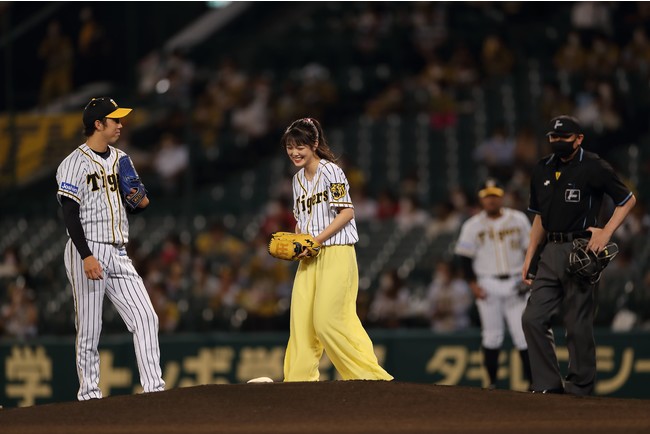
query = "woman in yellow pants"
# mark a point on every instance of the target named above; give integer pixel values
(323, 302)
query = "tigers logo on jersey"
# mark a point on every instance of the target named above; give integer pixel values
(337, 190)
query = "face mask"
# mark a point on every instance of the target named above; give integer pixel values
(562, 149)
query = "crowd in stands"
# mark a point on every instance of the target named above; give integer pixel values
(590, 64)
(219, 281)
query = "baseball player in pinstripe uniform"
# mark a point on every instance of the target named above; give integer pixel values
(323, 301)
(96, 261)
(491, 248)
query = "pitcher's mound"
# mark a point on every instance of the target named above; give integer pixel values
(354, 407)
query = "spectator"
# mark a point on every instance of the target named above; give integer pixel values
(208, 119)
(166, 309)
(387, 206)
(365, 206)
(590, 17)
(150, 69)
(170, 161)
(389, 101)
(180, 72)
(553, 102)
(19, 314)
(443, 108)
(410, 214)
(636, 54)
(603, 58)
(528, 150)
(93, 47)
(390, 305)
(450, 300)
(571, 56)
(11, 265)
(262, 304)
(202, 281)
(498, 60)
(227, 295)
(497, 154)
(429, 27)
(58, 54)
(446, 220)
(461, 68)
(217, 243)
(317, 91)
(251, 118)
(277, 217)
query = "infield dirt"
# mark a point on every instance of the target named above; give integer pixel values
(353, 407)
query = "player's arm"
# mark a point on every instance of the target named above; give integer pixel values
(92, 267)
(343, 217)
(537, 235)
(600, 237)
(467, 268)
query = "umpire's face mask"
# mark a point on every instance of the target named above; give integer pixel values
(562, 148)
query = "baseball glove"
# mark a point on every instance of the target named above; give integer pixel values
(586, 264)
(288, 246)
(128, 180)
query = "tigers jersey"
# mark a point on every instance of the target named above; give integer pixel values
(316, 202)
(92, 181)
(497, 246)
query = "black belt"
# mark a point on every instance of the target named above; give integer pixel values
(504, 276)
(566, 237)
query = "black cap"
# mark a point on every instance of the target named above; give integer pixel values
(100, 108)
(564, 126)
(491, 187)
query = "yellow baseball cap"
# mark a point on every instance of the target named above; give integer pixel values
(491, 187)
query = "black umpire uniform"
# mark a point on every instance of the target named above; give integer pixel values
(566, 193)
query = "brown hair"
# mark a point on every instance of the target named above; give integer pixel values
(308, 132)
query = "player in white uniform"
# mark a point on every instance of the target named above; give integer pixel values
(96, 261)
(323, 301)
(491, 248)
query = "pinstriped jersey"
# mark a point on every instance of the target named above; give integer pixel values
(497, 246)
(316, 202)
(92, 182)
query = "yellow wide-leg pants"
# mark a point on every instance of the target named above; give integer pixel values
(324, 317)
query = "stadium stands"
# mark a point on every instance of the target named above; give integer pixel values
(406, 93)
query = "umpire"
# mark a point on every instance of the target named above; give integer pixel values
(566, 193)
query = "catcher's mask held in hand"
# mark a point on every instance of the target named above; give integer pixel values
(584, 263)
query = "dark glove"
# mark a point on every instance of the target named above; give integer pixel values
(129, 180)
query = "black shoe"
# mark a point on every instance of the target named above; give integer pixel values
(556, 391)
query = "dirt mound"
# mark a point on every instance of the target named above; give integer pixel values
(333, 406)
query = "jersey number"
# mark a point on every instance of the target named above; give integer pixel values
(94, 178)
